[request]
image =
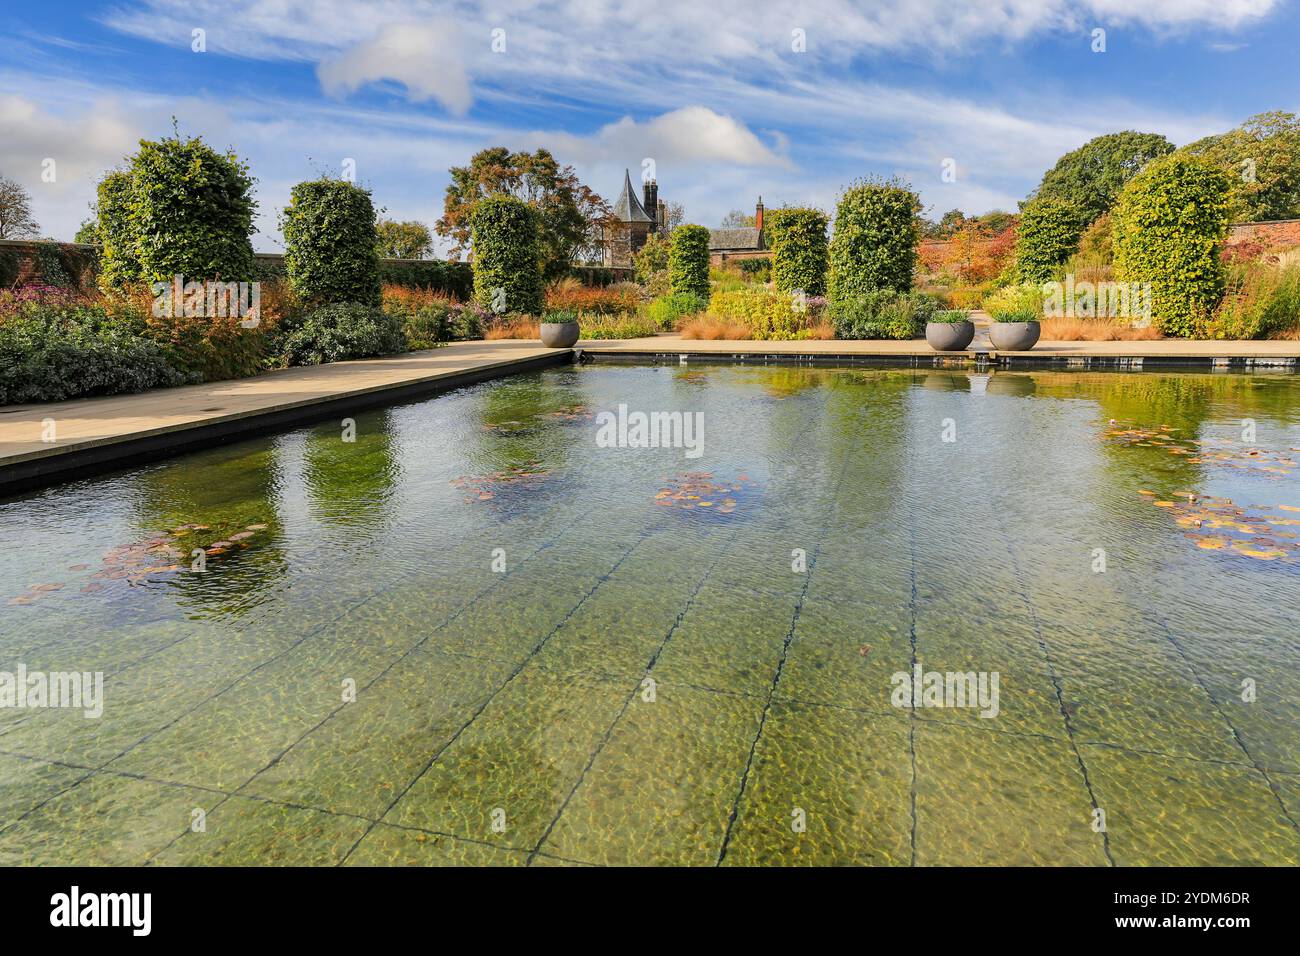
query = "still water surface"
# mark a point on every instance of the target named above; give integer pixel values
(473, 636)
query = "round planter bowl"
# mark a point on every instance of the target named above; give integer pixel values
(1014, 336)
(559, 335)
(949, 336)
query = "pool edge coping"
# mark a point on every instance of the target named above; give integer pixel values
(55, 464)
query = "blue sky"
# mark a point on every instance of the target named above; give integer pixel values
(715, 93)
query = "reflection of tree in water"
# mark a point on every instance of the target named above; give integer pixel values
(350, 484)
(225, 489)
(529, 423)
(867, 421)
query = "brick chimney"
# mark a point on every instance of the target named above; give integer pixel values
(758, 214)
(651, 204)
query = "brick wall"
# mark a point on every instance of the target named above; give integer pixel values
(1279, 232)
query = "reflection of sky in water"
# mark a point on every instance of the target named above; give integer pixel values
(522, 690)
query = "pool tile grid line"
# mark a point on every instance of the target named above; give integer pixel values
(244, 626)
(270, 660)
(1200, 680)
(1052, 675)
(286, 804)
(295, 805)
(644, 536)
(397, 582)
(911, 710)
(467, 606)
(780, 667)
(627, 701)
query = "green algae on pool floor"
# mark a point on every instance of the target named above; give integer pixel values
(475, 636)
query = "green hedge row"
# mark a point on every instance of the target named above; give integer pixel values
(875, 241)
(329, 243)
(507, 255)
(180, 208)
(1169, 225)
(800, 252)
(688, 261)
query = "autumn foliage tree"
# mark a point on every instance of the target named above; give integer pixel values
(570, 214)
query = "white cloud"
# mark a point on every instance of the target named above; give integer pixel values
(424, 57)
(80, 143)
(692, 134)
(571, 44)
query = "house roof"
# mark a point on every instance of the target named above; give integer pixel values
(628, 208)
(745, 237)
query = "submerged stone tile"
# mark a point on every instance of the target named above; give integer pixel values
(843, 776)
(244, 832)
(1164, 811)
(516, 764)
(25, 783)
(826, 663)
(395, 846)
(230, 737)
(662, 789)
(359, 760)
(725, 643)
(143, 700)
(985, 798)
(106, 820)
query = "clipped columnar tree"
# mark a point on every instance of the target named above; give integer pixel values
(190, 211)
(688, 261)
(507, 255)
(800, 253)
(1047, 236)
(1169, 227)
(876, 235)
(119, 266)
(330, 243)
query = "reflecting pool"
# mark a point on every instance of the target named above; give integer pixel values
(465, 631)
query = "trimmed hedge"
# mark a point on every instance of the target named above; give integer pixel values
(455, 279)
(1169, 225)
(875, 241)
(688, 261)
(882, 314)
(800, 251)
(347, 330)
(190, 212)
(507, 255)
(1047, 236)
(49, 355)
(329, 237)
(119, 263)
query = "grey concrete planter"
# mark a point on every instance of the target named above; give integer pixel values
(949, 336)
(1014, 336)
(559, 335)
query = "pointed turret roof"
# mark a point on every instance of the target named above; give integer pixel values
(629, 208)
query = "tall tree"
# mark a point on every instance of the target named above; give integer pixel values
(737, 219)
(16, 220)
(403, 240)
(1262, 161)
(571, 213)
(1089, 178)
